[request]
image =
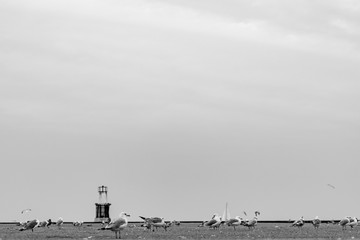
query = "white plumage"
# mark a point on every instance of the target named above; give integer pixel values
(118, 224)
(298, 223)
(233, 222)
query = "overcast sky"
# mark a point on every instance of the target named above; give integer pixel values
(179, 107)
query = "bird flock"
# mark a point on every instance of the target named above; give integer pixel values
(155, 223)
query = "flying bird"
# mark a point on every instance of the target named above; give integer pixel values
(245, 213)
(332, 186)
(257, 213)
(118, 224)
(30, 225)
(25, 210)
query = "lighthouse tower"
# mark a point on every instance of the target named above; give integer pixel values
(102, 207)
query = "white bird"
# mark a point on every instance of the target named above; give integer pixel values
(343, 222)
(176, 223)
(353, 222)
(316, 222)
(233, 222)
(298, 223)
(118, 224)
(43, 223)
(77, 223)
(155, 223)
(25, 210)
(214, 222)
(252, 223)
(148, 221)
(59, 222)
(30, 225)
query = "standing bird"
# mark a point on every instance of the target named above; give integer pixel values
(353, 222)
(233, 222)
(30, 225)
(214, 222)
(298, 223)
(43, 223)
(148, 222)
(77, 223)
(155, 223)
(316, 222)
(343, 222)
(118, 224)
(252, 223)
(59, 222)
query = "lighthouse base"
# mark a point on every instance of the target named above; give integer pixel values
(102, 212)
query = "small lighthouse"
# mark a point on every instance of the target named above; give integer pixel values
(102, 207)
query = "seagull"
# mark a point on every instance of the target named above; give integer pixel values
(298, 223)
(343, 222)
(316, 222)
(156, 223)
(252, 223)
(214, 222)
(59, 222)
(257, 213)
(49, 222)
(43, 223)
(177, 223)
(118, 224)
(149, 221)
(234, 222)
(25, 210)
(30, 225)
(77, 223)
(353, 222)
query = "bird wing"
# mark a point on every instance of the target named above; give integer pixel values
(25, 210)
(344, 221)
(233, 220)
(211, 222)
(32, 224)
(156, 220)
(116, 224)
(296, 222)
